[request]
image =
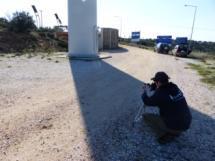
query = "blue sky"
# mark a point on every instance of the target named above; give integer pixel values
(151, 17)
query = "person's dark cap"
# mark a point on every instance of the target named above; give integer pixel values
(161, 76)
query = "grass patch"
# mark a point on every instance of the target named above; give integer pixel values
(206, 71)
(202, 56)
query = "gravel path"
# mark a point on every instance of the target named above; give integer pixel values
(64, 111)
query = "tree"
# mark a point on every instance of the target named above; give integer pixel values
(3, 22)
(22, 22)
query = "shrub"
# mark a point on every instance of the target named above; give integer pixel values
(22, 22)
(45, 29)
(63, 44)
(3, 22)
(58, 29)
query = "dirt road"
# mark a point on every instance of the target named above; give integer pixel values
(61, 111)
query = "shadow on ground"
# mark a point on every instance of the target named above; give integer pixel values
(109, 99)
(119, 50)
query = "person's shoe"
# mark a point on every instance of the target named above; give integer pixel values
(167, 138)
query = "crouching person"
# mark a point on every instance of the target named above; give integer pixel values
(174, 114)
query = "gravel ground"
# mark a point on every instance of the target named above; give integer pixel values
(56, 110)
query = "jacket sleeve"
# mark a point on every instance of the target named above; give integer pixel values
(151, 101)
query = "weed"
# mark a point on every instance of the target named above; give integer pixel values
(202, 56)
(207, 72)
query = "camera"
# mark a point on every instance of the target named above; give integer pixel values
(149, 89)
(151, 86)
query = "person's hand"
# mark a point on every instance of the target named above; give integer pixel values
(146, 87)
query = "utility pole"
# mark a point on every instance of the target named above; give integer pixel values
(194, 18)
(36, 15)
(41, 18)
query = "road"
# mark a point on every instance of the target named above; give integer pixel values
(57, 110)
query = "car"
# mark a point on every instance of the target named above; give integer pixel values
(162, 48)
(182, 50)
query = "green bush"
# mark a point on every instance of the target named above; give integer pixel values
(50, 35)
(63, 44)
(45, 29)
(3, 22)
(22, 22)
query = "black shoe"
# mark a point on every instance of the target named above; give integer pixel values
(167, 138)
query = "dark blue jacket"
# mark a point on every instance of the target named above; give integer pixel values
(172, 105)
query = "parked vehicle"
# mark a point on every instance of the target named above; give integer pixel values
(163, 44)
(182, 47)
(162, 48)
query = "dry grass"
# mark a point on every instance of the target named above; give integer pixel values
(202, 56)
(207, 70)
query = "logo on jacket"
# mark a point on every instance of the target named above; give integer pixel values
(177, 97)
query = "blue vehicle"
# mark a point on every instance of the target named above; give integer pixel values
(163, 44)
(182, 47)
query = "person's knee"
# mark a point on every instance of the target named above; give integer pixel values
(147, 117)
(151, 117)
(175, 132)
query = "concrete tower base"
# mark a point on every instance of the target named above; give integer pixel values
(83, 37)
